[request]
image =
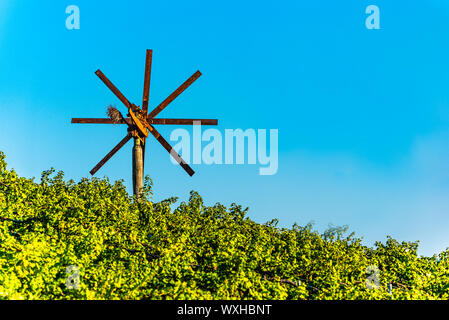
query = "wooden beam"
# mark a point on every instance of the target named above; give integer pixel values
(146, 96)
(100, 121)
(174, 95)
(113, 88)
(147, 79)
(111, 153)
(137, 168)
(158, 121)
(203, 122)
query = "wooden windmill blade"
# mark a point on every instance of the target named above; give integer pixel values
(170, 150)
(147, 80)
(125, 101)
(113, 88)
(174, 95)
(101, 121)
(186, 122)
(146, 95)
(111, 154)
(190, 122)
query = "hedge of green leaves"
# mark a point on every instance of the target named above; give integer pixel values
(126, 249)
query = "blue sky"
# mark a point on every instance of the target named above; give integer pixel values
(363, 115)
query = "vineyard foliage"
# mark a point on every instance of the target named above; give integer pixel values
(126, 249)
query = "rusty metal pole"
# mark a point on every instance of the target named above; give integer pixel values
(137, 168)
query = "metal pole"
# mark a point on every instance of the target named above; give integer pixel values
(137, 168)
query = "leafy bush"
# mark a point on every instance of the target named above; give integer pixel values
(126, 249)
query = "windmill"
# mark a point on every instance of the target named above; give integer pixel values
(140, 124)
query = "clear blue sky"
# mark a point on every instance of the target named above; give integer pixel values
(363, 115)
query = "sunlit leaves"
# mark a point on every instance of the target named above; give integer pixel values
(125, 249)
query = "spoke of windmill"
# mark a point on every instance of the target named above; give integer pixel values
(113, 88)
(146, 94)
(101, 121)
(159, 121)
(172, 151)
(203, 122)
(110, 154)
(127, 121)
(174, 95)
(146, 85)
